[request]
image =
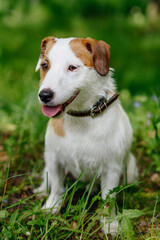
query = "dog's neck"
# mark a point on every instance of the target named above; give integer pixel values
(91, 94)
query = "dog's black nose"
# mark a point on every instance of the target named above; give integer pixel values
(46, 95)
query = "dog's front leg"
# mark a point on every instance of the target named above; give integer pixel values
(52, 184)
(109, 180)
(42, 189)
(55, 174)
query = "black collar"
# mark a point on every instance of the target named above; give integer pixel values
(97, 109)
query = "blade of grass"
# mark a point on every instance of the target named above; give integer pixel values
(71, 198)
(5, 185)
(21, 201)
(154, 212)
(72, 186)
(19, 175)
(85, 204)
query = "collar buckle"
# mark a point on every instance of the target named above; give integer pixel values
(92, 112)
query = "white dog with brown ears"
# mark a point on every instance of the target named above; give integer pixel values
(76, 87)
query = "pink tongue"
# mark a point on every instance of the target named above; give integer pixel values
(50, 111)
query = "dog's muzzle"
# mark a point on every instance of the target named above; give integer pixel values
(49, 110)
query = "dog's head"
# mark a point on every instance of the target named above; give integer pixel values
(66, 67)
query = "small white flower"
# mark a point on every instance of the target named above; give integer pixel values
(28, 233)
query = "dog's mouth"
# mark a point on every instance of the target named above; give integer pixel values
(54, 111)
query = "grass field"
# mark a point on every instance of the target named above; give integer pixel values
(135, 55)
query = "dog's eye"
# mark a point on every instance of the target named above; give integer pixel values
(72, 68)
(44, 66)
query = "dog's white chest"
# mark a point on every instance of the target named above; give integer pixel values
(81, 155)
(82, 149)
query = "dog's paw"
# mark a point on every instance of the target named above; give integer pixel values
(54, 209)
(40, 191)
(110, 227)
(52, 204)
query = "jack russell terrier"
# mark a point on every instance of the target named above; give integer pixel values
(88, 129)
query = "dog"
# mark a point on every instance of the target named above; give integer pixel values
(88, 129)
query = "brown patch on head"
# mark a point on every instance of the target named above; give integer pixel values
(93, 53)
(46, 45)
(58, 125)
(81, 52)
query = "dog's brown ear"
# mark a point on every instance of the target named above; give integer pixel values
(100, 52)
(45, 42)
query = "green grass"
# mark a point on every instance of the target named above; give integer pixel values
(135, 51)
